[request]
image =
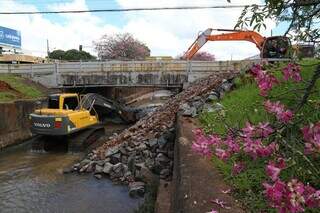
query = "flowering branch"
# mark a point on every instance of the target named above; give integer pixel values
(264, 139)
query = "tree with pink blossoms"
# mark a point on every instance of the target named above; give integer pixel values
(284, 148)
(121, 47)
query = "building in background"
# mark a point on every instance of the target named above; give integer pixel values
(10, 48)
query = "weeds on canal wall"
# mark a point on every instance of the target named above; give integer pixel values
(150, 198)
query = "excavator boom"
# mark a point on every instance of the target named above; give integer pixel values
(231, 35)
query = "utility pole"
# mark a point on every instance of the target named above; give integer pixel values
(48, 50)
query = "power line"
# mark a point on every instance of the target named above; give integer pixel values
(127, 9)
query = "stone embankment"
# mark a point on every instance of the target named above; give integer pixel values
(145, 151)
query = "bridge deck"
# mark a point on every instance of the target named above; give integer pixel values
(122, 73)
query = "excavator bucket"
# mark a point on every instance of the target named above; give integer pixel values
(198, 43)
(107, 109)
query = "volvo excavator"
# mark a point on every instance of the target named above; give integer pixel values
(270, 47)
(79, 119)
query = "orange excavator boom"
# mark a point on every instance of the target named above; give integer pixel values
(234, 35)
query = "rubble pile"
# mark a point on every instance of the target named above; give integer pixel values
(203, 102)
(144, 151)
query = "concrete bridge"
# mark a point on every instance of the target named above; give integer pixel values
(173, 73)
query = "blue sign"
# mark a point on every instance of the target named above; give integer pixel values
(10, 37)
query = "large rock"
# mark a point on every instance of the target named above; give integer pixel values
(98, 169)
(213, 96)
(132, 162)
(136, 189)
(187, 110)
(142, 147)
(107, 168)
(162, 141)
(152, 142)
(164, 173)
(162, 158)
(116, 158)
(84, 162)
(118, 170)
(147, 175)
(111, 151)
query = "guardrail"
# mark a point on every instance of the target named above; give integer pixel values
(60, 74)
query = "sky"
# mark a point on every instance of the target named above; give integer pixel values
(166, 33)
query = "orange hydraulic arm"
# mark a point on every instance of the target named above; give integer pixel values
(205, 36)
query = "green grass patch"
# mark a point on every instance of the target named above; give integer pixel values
(245, 104)
(23, 89)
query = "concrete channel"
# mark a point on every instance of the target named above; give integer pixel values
(32, 176)
(33, 181)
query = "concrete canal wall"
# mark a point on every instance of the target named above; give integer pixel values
(14, 121)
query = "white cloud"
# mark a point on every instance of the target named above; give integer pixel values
(171, 32)
(165, 32)
(36, 29)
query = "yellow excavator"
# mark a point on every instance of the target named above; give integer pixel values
(77, 117)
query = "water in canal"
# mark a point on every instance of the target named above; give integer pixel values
(33, 182)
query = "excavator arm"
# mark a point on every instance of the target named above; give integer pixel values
(234, 35)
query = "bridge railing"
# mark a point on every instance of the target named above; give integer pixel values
(119, 66)
(57, 74)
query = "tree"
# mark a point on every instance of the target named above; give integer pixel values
(203, 56)
(200, 56)
(57, 54)
(121, 47)
(302, 16)
(72, 54)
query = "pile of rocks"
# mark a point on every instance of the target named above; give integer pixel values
(133, 163)
(204, 101)
(146, 148)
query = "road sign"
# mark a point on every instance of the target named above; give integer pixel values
(10, 37)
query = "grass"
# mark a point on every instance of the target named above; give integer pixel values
(22, 88)
(245, 104)
(150, 198)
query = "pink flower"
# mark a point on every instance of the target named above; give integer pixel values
(275, 193)
(268, 150)
(285, 116)
(261, 130)
(238, 168)
(264, 129)
(311, 135)
(264, 80)
(282, 114)
(273, 172)
(251, 147)
(292, 71)
(255, 148)
(293, 196)
(201, 147)
(222, 154)
(213, 211)
(232, 145)
(214, 140)
(248, 130)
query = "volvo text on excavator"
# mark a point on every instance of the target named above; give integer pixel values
(270, 47)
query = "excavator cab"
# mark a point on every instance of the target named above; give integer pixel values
(276, 47)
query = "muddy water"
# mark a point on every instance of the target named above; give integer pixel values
(33, 182)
